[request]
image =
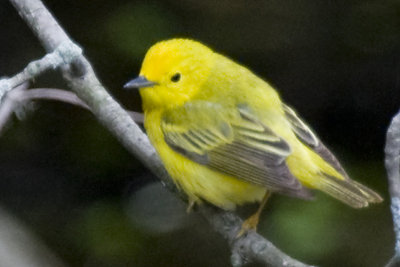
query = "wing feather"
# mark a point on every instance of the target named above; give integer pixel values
(306, 135)
(232, 141)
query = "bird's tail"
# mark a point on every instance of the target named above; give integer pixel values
(348, 191)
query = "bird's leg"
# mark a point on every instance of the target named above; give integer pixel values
(252, 222)
(190, 205)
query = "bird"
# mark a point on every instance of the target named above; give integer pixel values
(225, 136)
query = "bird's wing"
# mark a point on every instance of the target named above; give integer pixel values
(305, 134)
(232, 141)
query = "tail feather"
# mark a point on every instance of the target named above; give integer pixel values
(348, 191)
(371, 195)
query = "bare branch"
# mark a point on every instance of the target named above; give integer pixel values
(60, 95)
(250, 248)
(19, 96)
(8, 106)
(47, 94)
(392, 164)
(65, 53)
(85, 84)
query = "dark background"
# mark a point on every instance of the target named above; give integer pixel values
(336, 62)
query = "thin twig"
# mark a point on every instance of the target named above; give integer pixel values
(63, 96)
(19, 96)
(64, 53)
(48, 94)
(85, 84)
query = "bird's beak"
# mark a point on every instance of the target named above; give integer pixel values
(139, 82)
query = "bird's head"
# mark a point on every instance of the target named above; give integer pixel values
(172, 72)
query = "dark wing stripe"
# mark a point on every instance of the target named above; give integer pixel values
(262, 138)
(206, 135)
(268, 159)
(256, 134)
(210, 135)
(240, 147)
(183, 138)
(200, 138)
(244, 158)
(237, 168)
(280, 148)
(189, 138)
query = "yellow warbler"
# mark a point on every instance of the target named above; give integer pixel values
(225, 136)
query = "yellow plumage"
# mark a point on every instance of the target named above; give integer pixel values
(224, 135)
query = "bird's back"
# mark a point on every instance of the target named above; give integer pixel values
(311, 163)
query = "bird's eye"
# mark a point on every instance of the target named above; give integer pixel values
(176, 77)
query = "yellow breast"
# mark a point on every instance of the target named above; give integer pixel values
(198, 181)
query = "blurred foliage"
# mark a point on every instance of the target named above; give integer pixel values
(135, 26)
(106, 235)
(336, 62)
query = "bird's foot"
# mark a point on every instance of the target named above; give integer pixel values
(190, 205)
(249, 225)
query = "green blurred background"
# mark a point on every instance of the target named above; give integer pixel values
(336, 62)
